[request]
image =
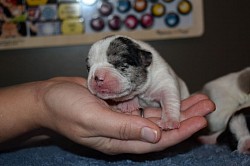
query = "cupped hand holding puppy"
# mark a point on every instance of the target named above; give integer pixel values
(65, 106)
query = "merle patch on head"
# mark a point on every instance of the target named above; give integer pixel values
(129, 58)
(123, 50)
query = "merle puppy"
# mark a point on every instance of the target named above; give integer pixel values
(133, 75)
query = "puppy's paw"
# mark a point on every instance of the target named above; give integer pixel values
(169, 124)
(244, 145)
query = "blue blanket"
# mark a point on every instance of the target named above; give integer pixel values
(186, 153)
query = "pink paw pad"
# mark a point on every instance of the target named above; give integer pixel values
(244, 146)
(169, 125)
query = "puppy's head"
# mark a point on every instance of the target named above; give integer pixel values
(117, 68)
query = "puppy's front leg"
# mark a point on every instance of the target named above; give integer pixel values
(168, 95)
(170, 117)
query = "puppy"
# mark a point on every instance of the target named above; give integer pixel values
(236, 135)
(230, 123)
(229, 93)
(133, 75)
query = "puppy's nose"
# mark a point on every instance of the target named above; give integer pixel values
(99, 79)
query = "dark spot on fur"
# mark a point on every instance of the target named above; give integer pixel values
(87, 64)
(227, 137)
(126, 51)
(244, 81)
(129, 59)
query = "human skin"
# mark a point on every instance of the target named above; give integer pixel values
(65, 106)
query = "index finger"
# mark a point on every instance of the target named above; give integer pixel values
(198, 105)
(192, 100)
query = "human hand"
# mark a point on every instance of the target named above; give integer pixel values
(69, 109)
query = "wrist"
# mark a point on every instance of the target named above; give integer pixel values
(19, 110)
(42, 117)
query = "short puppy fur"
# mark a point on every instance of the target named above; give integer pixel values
(230, 123)
(230, 93)
(133, 75)
(237, 133)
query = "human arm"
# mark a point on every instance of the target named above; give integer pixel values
(65, 106)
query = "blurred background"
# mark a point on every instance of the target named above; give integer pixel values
(223, 48)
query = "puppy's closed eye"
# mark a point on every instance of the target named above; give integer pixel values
(87, 64)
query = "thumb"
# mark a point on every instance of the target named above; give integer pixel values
(128, 127)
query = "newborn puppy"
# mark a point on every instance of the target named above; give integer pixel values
(133, 75)
(229, 93)
(230, 123)
(237, 132)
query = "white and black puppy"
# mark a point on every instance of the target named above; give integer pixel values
(132, 74)
(236, 135)
(229, 93)
(230, 123)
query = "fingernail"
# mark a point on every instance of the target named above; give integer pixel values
(148, 134)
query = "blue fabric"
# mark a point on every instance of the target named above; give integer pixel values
(73, 155)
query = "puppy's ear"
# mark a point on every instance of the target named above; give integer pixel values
(146, 57)
(244, 81)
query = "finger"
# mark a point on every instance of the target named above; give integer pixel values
(193, 99)
(185, 105)
(169, 138)
(135, 112)
(202, 108)
(173, 137)
(152, 112)
(187, 129)
(127, 127)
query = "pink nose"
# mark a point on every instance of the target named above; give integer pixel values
(99, 79)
